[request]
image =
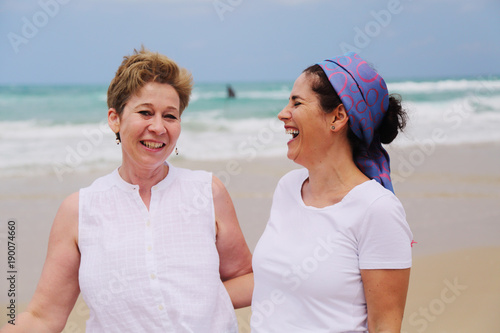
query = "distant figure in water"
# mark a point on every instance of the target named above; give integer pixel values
(230, 92)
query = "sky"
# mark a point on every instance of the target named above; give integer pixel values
(84, 41)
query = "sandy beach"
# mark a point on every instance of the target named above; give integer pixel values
(451, 195)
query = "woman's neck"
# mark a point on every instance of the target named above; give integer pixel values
(145, 178)
(330, 179)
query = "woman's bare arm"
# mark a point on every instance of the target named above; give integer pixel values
(235, 257)
(385, 292)
(58, 286)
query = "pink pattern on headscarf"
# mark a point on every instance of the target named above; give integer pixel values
(366, 100)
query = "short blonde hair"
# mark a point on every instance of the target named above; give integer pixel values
(143, 67)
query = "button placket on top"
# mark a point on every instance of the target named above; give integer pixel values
(151, 264)
(159, 305)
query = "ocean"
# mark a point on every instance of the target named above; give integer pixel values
(63, 129)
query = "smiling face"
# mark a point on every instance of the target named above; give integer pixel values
(306, 121)
(149, 126)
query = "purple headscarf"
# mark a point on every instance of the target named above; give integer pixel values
(366, 99)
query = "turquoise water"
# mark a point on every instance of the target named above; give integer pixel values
(46, 126)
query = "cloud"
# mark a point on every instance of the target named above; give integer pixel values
(167, 2)
(297, 2)
(421, 43)
(17, 6)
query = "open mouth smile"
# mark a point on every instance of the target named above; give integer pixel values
(293, 132)
(152, 145)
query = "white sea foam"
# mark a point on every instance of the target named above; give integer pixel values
(481, 84)
(281, 94)
(241, 130)
(458, 121)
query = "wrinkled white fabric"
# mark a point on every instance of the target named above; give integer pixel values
(153, 270)
(307, 262)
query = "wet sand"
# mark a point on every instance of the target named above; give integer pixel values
(451, 196)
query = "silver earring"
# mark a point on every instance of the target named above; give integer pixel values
(176, 151)
(333, 128)
(118, 139)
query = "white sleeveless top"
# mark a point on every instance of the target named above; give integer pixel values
(156, 270)
(307, 262)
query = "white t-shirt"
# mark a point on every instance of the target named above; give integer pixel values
(307, 262)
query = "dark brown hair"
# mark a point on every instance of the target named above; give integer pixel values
(394, 119)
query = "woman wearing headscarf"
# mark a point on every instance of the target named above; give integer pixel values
(336, 253)
(151, 247)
